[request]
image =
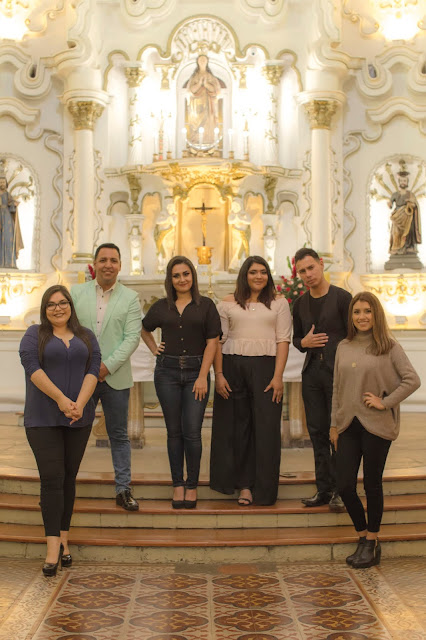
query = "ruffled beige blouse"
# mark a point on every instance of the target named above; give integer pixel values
(256, 330)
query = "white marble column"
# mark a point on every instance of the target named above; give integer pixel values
(84, 114)
(320, 113)
(134, 77)
(272, 72)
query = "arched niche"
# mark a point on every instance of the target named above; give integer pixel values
(190, 228)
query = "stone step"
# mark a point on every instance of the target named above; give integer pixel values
(292, 485)
(95, 512)
(212, 545)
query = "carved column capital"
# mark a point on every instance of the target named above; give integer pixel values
(84, 113)
(134, 76)
(320, 113)
(273, 73)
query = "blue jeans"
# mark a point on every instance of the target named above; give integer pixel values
(183, 415)
(115, 405)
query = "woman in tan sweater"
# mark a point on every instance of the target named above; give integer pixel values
(372, 375)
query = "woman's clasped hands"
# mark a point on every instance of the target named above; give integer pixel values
(70, 409)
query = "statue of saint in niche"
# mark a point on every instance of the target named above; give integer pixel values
(164, 235)
(10, 232)
(204, 89)
(239, 222)
(405, 232)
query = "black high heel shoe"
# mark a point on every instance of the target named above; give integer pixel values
(66, 560)
(369, 555)
(361, 543)
(50, 568)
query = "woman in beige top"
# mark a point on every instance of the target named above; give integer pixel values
(249, 365)
(372, 375)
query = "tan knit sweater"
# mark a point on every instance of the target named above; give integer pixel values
(391, 377)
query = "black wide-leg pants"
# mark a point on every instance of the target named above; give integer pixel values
(246, 430)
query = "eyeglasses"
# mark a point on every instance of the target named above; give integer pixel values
(62, 304)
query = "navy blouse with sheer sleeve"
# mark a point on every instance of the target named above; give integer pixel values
(66, 368)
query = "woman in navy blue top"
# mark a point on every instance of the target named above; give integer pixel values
(61, 361)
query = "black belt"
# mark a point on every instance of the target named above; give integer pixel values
(317, 355)
(180, 362)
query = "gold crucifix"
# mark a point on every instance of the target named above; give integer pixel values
(203, 209)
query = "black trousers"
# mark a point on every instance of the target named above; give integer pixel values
(246, 431)
(353, 444)
(58, 452)
(317, 392)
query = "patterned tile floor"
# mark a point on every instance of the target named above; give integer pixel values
(221, 602)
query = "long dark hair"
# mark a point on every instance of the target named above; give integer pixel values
(242, 290)
(168, 282)
(382, 337)
(45, 331)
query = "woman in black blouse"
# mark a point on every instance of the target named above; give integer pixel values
(190, 328)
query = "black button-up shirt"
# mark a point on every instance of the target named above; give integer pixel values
(186, 334)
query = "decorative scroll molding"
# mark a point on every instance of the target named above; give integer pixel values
(142, 12)
(55, 143)
(37, 20)
(351, 145)
(25, 116)
(99, 189)
(84, 113)
(307, 195)
(320, 113)
(268, 10)
(396, 107)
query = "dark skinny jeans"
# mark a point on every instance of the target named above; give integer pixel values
(58, 452)
(183, 415)
(353, 444)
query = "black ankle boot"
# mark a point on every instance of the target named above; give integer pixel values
(369, 555)
(356, 553)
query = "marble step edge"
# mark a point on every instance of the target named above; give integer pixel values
(23, 502)
(193, 538)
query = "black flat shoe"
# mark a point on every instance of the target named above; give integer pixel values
(190, 504)
(351, 558)
(66, 560)
(178, 504)
(369, 555)
(50, 568)
(320, 498)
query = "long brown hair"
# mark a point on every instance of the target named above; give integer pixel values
(45, 330)
(242, 290)
(382, 337)
(168, 282)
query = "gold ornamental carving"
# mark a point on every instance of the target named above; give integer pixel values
(134, 76)
(135, 189)
(85, 113)
(273, 73)
(320, 113)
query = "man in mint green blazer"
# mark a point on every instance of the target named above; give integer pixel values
(112, 311)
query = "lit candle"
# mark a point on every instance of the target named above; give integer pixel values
(216, 134)
(200, 136)
(184, 137)
(155, 142)
(230, 134)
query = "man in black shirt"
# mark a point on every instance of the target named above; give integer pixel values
(320, 322)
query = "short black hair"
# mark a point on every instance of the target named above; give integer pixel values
(107, 245)
(304, 252)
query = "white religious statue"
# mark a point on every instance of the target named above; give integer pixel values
(239, 223)
(270, 224)
(165, 236)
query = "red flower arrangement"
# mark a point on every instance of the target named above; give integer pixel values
(91, 271)
(292, 287)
